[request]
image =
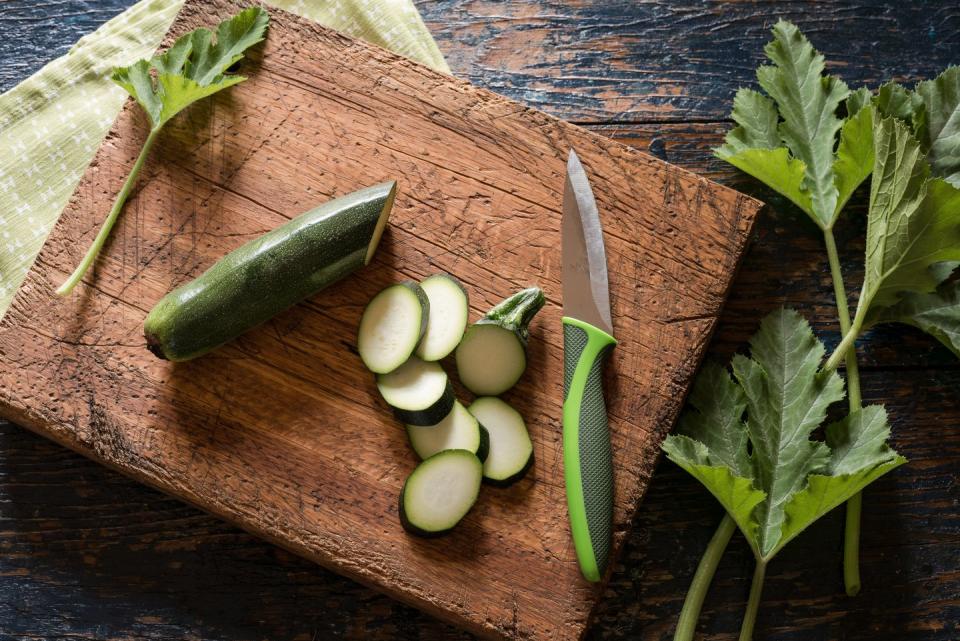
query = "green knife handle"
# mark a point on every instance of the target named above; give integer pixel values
(587, 459)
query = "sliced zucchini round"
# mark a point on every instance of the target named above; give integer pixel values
(490, 359)
(392, 326)
(440, 492)
(511, 450)
(448, 316)
(458, 430)
(419, 392)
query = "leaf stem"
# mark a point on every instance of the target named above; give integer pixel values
(849, 338)
(843, 313)
(104, 232)
(753, 602)
(851, 532)
(687, 623)
(851, 545)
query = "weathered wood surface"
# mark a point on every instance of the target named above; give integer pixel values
(87, 553)
(317, 463)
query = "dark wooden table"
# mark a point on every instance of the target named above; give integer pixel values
(88, 554)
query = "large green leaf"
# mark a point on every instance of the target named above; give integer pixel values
(735, 493)
(715, 419)
(777, 169)
(893, 100)
(782, 481)
(807, 101)
(937, 313)
(786, 400)
(939, 126)
(859, 454)
(756, 118)
(858, 99)
(712, 443)
(790, 142)
(193, 68)
(913, 221)
(854, 155)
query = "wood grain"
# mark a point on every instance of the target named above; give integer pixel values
(315, 464)
(637, 61)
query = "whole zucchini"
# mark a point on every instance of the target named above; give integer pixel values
(269, 274)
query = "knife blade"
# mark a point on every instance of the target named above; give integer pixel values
(587, 340)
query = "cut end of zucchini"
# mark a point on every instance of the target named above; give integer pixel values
(458, 430)
(440, 492)
(419, 392)
(392, 326)
(449, 308)
(490, 359)
(511, 450)
(382, 220)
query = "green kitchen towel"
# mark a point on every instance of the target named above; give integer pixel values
(52, 123)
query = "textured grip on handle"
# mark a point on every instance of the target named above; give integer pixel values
(587, 459)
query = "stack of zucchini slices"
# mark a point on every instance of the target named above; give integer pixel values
(405, 331)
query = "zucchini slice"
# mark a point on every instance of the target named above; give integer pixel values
(440, 492)
(392, 326)
(269, 274)
(448, 316)
(459, 430)
(419, 392)
(511, 450)
(492, 355)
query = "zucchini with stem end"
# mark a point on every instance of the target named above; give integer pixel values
(459, 430)
(449, 308)
(440, 492)
(269, 274)
(510, 453)
(492, 355)
(419, 392)
(392, 326)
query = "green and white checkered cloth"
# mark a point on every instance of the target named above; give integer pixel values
(52, 123)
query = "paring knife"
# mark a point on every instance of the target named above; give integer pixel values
(587, 339)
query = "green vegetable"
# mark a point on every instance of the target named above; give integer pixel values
(492, 355)
(458, 430)
(439, 493)
(510, 454)
(773, 480)
(269, 274)
(449, 309)
(193, 68)
(419, 392)
(392, 326)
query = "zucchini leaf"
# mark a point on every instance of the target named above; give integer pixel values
(782, 481)
(913, 222)
(913, 229)
(893, 100)
(933, 113)
(938, 124)
(193, 68)
(789, 140)
(937, 314)
(858, 99)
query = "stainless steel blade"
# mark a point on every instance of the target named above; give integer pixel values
(586, 294)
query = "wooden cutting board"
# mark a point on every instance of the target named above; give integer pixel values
(283, 432)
